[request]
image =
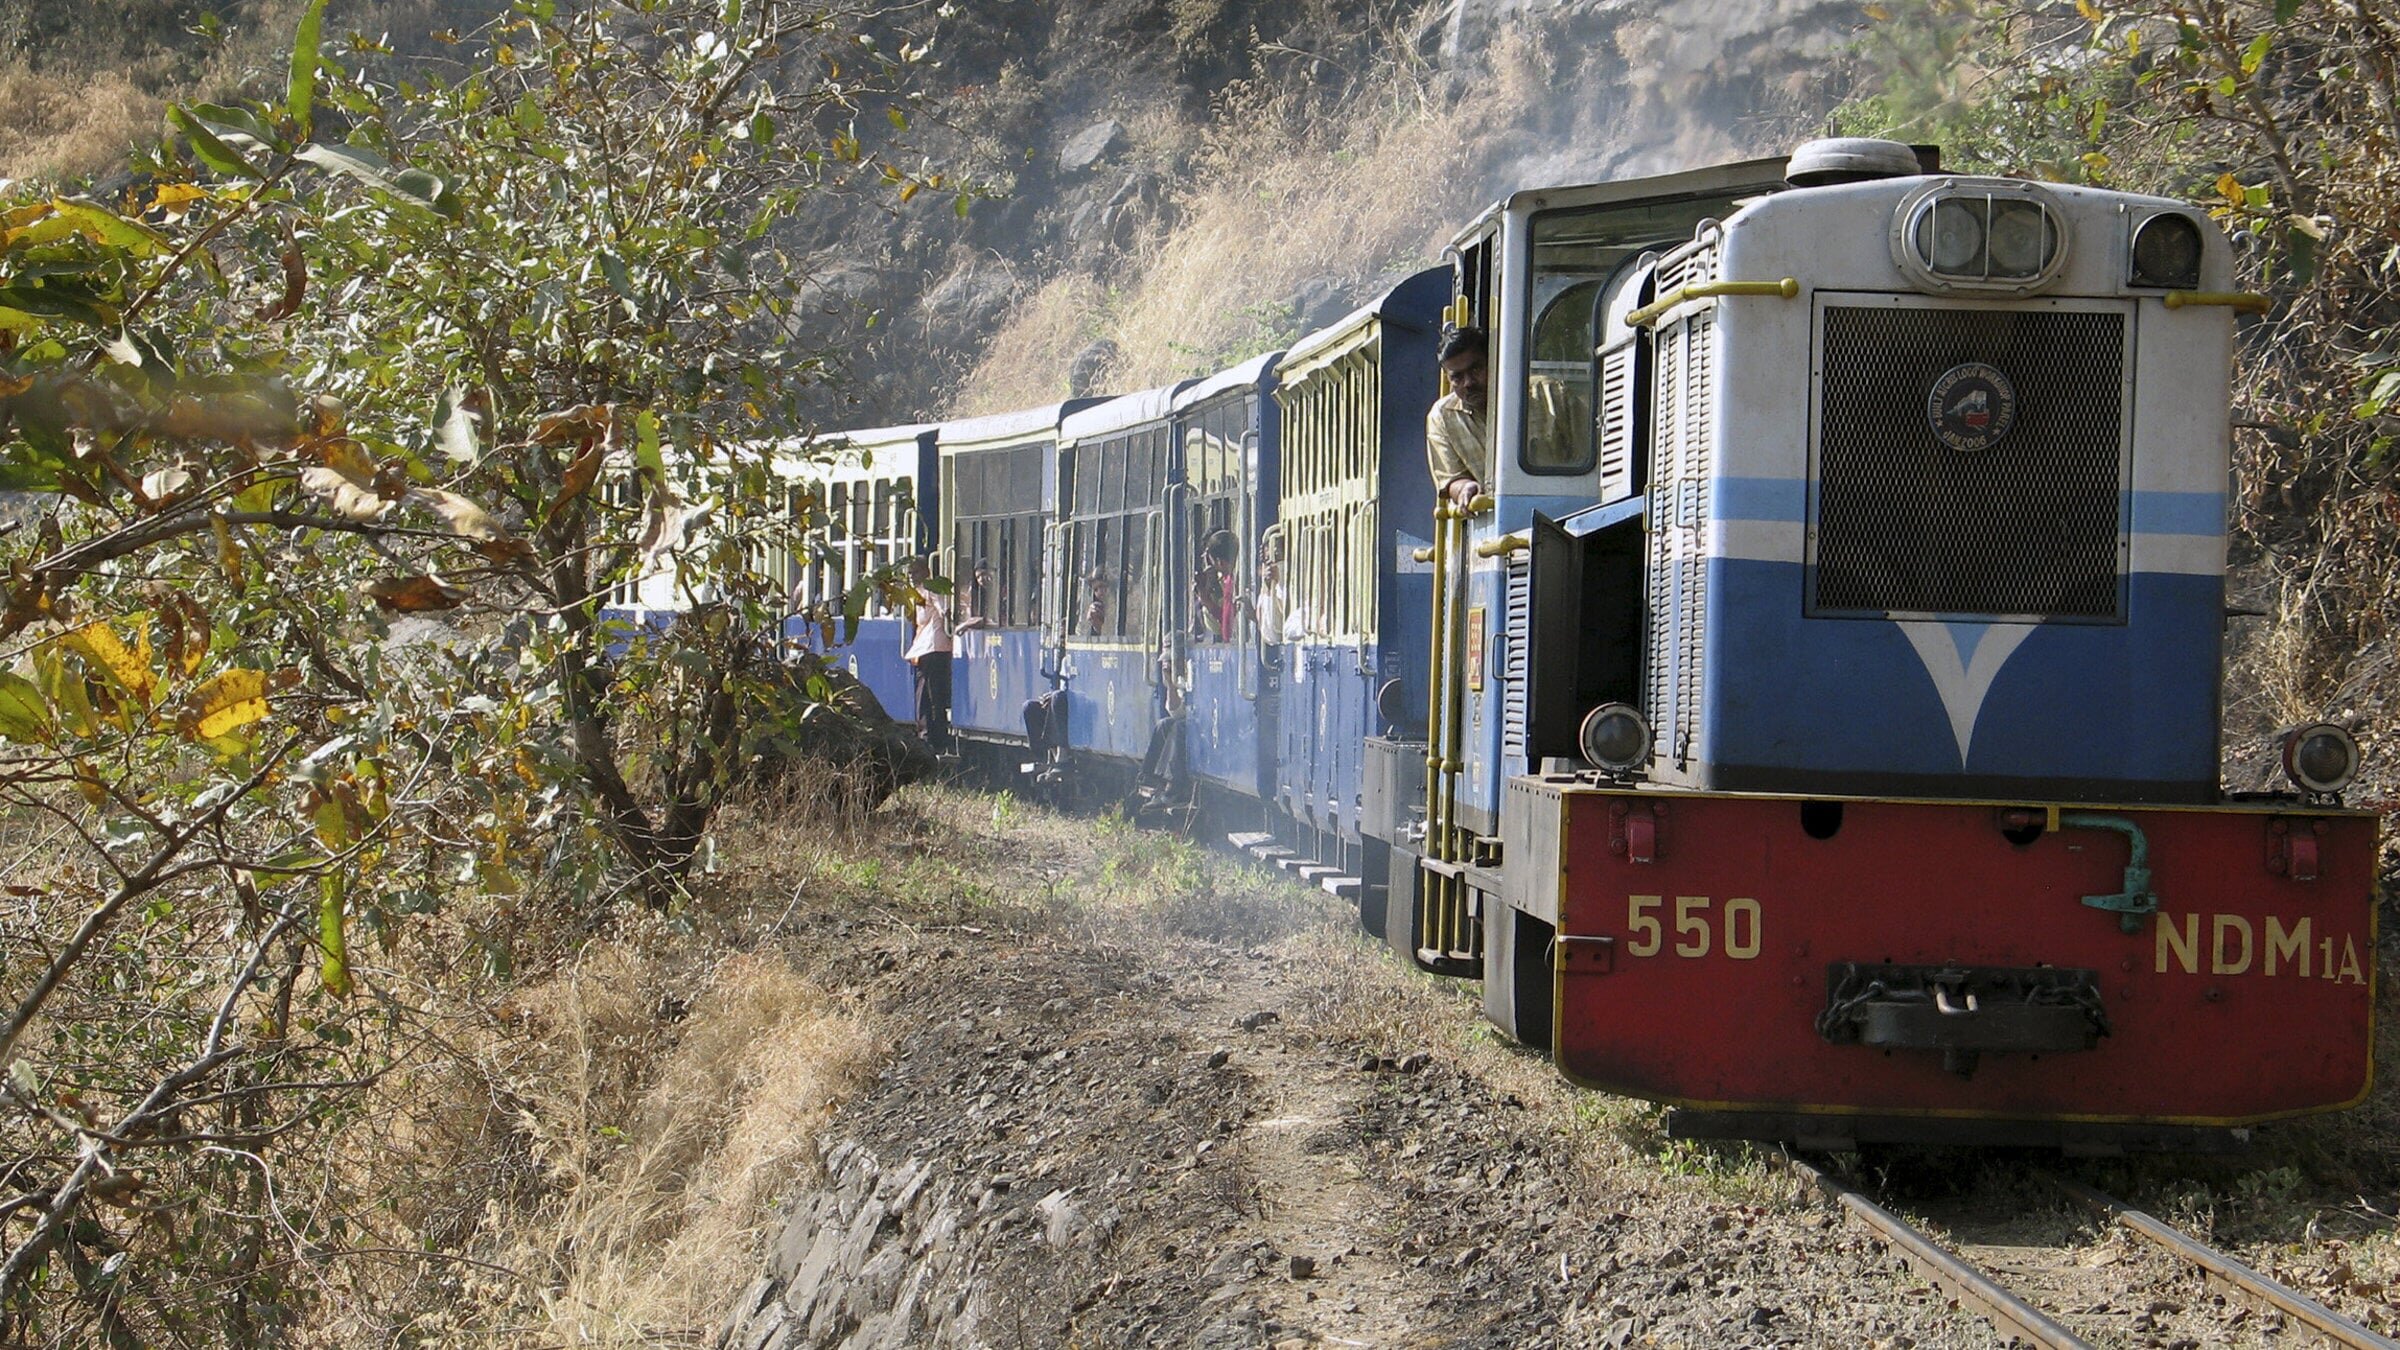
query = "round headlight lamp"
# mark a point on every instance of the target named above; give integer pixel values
(1950, 236)
(2166, 253)
(2320, 757)
(1616, 737)
(2020, 238)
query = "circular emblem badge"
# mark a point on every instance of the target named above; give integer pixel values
(1971, 407)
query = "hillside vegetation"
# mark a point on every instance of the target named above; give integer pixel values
(374, 969)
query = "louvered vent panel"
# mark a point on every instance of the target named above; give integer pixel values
(1512, 653)
(2027, 527)
(1679, 489)
(1617, 396)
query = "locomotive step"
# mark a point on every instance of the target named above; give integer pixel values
(1345, 887)
(1249, 842)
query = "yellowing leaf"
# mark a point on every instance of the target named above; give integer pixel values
(229, 554)
(99, 644)
(2090, 12)
(173, 200)
(24, 713)
(332, 935)
(1879, 14)
(2230, 188)
(351, 498)
(225, 703)
(87, 782)
(464, 517)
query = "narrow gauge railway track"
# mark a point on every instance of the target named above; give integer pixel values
(2018, 1319)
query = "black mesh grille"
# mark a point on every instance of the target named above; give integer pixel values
(2028, 526)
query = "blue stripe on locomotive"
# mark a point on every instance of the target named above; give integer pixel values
(2131, 704)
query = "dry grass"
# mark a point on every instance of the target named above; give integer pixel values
(1029, 358)
(664, 1140)
(66, 126)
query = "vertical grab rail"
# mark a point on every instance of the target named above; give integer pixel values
(1432, 884)
(1442, 917)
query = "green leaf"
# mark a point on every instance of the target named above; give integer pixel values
(612, 267)
(211, 151)
(414, 186)
(2285, 9)
(240, 128)
(899, 119)
(24, 713)
(2256, 54)
(645, 442)
(2381, 394)
(434, 192)
(300, 94)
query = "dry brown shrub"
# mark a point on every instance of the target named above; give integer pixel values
(61, 125)
(1027, 362)
(664, 1132)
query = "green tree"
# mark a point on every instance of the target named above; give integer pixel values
(342, 431)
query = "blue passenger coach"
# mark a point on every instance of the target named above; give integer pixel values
(1354, 494)
(1000, 488)
(877, 493)
(1113, 594)
(1227, 484)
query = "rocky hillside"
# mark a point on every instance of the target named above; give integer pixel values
(1180, 183)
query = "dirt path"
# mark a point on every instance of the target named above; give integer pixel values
(1323, 1231)
(1169, 1101)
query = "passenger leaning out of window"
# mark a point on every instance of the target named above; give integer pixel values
(1458, 428)
(1214, 589)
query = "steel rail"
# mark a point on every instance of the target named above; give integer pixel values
(1971, 1286)
(2325, 1320)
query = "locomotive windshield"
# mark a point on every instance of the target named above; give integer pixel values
(1579, 253)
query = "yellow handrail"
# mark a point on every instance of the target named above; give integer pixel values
(2248, 302)
(1502, 546)
(1683, 295)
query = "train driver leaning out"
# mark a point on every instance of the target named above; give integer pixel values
(1458, 427)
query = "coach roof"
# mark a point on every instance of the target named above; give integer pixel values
(1025, 424)
(1244, 376)
(1150, 405)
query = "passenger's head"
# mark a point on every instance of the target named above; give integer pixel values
(1464, 354)
(1223, 547)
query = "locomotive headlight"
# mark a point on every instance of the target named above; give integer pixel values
(1979, 234)
(2320, 757)
(2020, 238)
(1950, 236)
(1616, 737)
(2166, 253)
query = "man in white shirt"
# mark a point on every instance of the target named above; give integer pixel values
(929, 653)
